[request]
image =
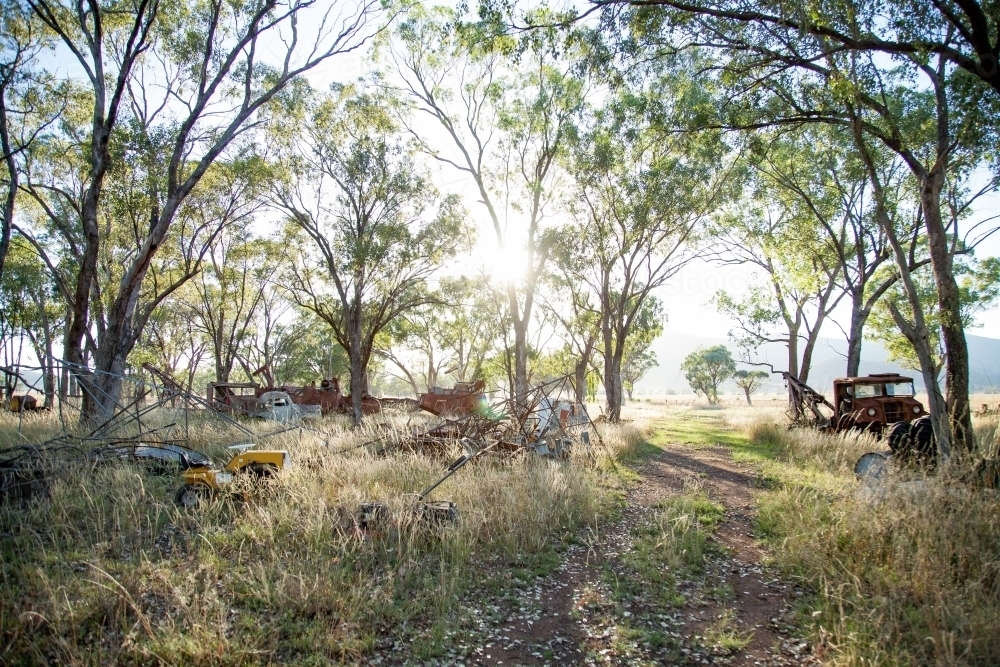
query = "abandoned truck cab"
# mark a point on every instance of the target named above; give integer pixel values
(874, 401)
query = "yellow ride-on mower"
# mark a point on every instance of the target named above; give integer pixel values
(201, 481)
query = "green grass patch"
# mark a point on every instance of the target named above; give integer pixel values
(723, 635)
(708, 428)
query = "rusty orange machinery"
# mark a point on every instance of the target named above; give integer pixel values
(329, 397)
(27, 403)
(874, 402)
(462, 399)
(242, 396)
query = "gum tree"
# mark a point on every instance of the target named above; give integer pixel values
(169, 89)
(750, 381)
(816, 171)
(504, 113)
(707, 368)
(797, 284)
(370, 225)
(642, 198)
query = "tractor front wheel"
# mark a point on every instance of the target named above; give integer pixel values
(191, 496)
(845, 423)
(922, 437)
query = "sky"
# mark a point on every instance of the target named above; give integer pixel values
(687, 296)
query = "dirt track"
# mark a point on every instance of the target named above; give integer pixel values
(572, 616)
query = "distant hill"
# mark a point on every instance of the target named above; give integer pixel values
(829, 362)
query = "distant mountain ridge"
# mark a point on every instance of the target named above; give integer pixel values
(829, 362)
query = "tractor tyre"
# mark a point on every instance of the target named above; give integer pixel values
(898, 438)
(922, 438)
(845, 423)
(190, 496)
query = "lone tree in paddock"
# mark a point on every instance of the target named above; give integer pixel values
(708, 367)
(749, 381)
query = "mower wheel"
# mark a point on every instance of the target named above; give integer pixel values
(262, 470)
(438, 512)
(372, 515)
(191, 496)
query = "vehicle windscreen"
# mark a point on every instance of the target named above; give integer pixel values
(899, 389)
(867, 390)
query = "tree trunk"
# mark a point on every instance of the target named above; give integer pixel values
(613, 388)
(7, 214)
(580, 372)
(855, 335)
(431, 369)
(79, 316)
(520, 357)
(580, 381)
(103, 387)
(807, 352)
(950, 304)
(746, 390)
(614, 350)
(357, 384)
(64, 374)
(936, 404)
(793, 369)
(49, 382)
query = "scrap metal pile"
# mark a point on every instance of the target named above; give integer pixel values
(151, 429)
(543, 420)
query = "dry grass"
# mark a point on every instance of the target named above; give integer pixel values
(109, 570)
(906, 573)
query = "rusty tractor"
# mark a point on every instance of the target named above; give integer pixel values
(874, 402)
(880, 403)
(871, 402)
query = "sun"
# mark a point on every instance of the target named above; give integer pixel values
(507, 265)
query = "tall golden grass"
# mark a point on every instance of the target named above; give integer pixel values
(109, 570)
(906, 571)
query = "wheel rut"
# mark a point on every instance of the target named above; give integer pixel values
(587, 612)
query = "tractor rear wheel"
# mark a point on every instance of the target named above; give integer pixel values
(899, 437)
(922, 438)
